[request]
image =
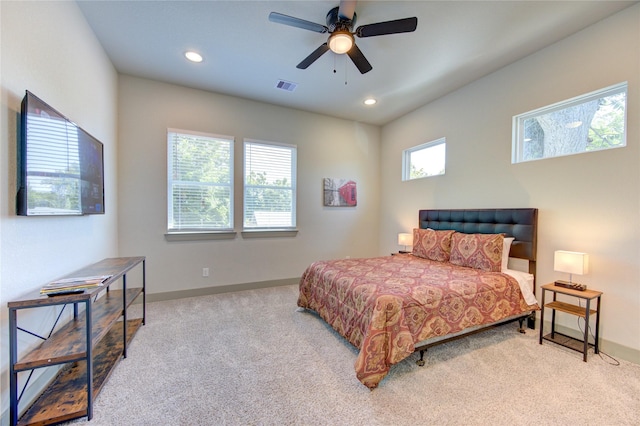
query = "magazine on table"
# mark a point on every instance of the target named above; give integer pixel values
(73, 284)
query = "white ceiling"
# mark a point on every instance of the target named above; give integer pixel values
(456, 42)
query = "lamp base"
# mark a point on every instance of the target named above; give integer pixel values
(572, 286)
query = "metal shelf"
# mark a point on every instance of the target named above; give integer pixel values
(90, 344)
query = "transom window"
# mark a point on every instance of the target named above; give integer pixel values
(590, 122)
(200, 182)
(269, 185)
(424, 160)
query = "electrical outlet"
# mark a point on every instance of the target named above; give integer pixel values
(205, 272)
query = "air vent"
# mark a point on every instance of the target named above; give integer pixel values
(286, 85)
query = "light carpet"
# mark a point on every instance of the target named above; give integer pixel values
(249, 358)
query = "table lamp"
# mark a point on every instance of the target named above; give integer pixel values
(405, 239)
(571, 262)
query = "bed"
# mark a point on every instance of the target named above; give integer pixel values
(456, 281)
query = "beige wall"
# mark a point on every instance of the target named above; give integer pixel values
(588, 202)
(327, 147)
(48, 49)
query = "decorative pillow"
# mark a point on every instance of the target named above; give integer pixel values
(479, 251)
(506, 248)
(432, 244)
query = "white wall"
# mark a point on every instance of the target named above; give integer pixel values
(588, 202)
(48, 49)
(327, 147)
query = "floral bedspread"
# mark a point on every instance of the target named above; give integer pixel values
(385, 305)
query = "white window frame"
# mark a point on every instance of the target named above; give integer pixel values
(518, 124)
(172, 227)
(406, 158)
(293, 187)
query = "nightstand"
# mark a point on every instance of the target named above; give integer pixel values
(585, 312)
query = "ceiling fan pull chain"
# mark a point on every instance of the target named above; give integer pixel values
(345, 72)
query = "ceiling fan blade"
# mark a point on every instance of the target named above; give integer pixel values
(359, 60)
(279, 18)
(405, 25)
(347, 9)
(313, 57)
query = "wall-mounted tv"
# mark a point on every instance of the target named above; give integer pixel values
(60, 166)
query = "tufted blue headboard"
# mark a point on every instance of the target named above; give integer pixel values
(522, 224)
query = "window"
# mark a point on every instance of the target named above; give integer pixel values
(269, 185)
(586, 123)
(200, 182)
(424, 160)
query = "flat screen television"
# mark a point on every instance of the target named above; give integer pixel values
(60, 166)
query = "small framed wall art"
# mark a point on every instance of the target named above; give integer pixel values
(340, 193)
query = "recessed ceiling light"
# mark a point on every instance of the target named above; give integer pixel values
(193, 56)
(370, 101)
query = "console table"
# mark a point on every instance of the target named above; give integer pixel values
(89, 345)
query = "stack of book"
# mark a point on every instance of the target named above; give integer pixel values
(73, 285)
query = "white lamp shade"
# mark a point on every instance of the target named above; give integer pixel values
(405, 239)
(340, 42)
(571, 262)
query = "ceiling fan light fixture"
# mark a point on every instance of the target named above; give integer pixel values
(340, 42)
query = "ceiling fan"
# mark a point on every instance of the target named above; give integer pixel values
(340, 23)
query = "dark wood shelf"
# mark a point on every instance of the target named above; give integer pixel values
(117, 267)
(66, 397)
(68, 343)
(566, 341)
(94, 338)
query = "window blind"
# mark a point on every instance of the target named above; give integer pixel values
(269, 185)
(200, 182)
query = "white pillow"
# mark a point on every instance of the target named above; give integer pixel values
(506, 246)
